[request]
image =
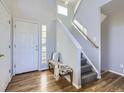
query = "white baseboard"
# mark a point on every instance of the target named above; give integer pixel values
(75, 85)
(3, 88)
(116, 72)
(99, 76)
(45, 68)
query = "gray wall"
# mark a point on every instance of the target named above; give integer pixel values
(105, 44)
(51, 38)
(113, 43)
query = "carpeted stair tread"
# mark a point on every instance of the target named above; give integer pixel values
(86, 68)
(88, 77)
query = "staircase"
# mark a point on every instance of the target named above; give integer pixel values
(87, 72)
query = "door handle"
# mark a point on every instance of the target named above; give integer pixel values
(1, 55)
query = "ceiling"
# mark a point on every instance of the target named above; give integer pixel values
(40, 10)
(113, 7)
(71, 2)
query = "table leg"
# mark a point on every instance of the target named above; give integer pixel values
(71, 77)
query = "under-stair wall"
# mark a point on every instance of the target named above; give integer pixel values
(70, 51)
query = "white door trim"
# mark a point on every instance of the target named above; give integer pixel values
(14, 26)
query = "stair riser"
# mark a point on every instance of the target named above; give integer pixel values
(87, 74)
(84, 70)
(88, 80)
(83, 62)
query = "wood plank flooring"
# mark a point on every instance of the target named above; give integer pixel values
(44, 82)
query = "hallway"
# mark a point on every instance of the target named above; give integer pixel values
(44, 81)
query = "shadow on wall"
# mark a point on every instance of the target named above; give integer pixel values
(105, 44)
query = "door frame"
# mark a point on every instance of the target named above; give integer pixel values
(14, 29)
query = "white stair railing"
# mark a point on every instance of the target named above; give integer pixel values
(78, 27)
(83, 34)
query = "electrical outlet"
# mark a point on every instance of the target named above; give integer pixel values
(123, 71)
(121, 66)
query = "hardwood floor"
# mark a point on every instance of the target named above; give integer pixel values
(44, 81)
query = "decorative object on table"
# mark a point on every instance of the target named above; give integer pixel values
(55, 58)
(59, 69)
(64, 69)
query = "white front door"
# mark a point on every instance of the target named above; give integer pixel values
(25, 47)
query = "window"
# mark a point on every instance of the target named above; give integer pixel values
(62, 10)
(44, 29)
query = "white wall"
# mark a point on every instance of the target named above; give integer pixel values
(113, 42)
(70, 52)
(5, 61)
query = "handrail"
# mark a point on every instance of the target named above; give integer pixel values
(89, 61)
(83, 34)
(80, 31)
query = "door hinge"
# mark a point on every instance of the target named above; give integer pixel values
(14, 66)
(9, 22)
(9, 46)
